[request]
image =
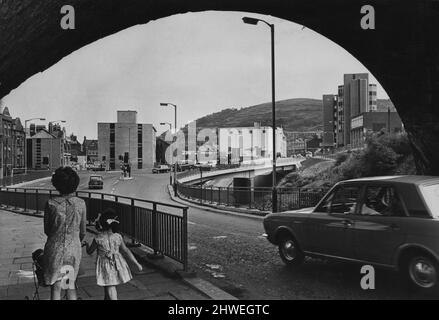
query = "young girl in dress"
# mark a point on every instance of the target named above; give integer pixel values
(111, 267)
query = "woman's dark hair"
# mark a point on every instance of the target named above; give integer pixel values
(65, 180)
(104, 225)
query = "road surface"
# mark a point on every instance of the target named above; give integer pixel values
(230, 252)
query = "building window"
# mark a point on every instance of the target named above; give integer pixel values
(112, 132)
(139, 146)
(112, 147)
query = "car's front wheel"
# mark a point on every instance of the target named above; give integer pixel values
(422, 272)
(290, 252)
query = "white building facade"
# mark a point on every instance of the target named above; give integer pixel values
(244, 144)
(127, 141)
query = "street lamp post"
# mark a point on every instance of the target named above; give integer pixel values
(51, 143)
(175, 129)
(25, 141)
(170, 129)
(255, 21)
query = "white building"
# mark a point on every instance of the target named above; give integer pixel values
(243, 144)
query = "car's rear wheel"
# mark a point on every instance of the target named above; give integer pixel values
(290, 252)
(422, 272)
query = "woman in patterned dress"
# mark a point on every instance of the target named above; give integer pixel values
(65, 227)
(111, 267)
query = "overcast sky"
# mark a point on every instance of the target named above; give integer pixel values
(203, 62)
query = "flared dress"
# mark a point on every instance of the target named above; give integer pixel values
(111, 267)
(64, 224)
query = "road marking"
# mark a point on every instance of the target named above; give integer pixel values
(190, 222)
(218, 275)
(220, 237)
(213, 270)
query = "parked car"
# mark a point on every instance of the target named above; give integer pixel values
(161, 168)
(96, 166)
(96, 182)
(385, 221)
(183, 167)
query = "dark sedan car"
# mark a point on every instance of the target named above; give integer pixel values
(385, 221)
(96, 182)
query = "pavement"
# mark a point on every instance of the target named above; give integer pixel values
(22, 234)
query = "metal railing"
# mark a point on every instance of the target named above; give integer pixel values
(251, 197)
(159, 226)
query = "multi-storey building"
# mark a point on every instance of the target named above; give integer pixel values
(368, 122)
(330, 117)
(355, 97)
(127, 141)
(73, 148)
(45, 150)
(90, 148)
(12, 139)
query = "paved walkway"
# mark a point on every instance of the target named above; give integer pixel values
(20, 235)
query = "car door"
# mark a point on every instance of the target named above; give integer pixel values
(379, 225)
(329, 226)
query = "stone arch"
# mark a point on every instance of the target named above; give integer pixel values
(402, 52)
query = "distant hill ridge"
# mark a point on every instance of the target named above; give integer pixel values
(301, 114)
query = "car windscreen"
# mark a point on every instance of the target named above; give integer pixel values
(431, 196)
(96, 178)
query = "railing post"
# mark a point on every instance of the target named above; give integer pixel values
(201, 193)
(274, 199)
(101, 203)
(36, 201)
(184, 242)
(15, 191)
(25, 200)
(154, 228)
(228, 196)
(133, 223)
(88, 209)
(211, 194)
(219, 195)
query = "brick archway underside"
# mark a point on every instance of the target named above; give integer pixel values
(402, 52)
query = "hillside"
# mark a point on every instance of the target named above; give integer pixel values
(300, 114)
(293, 115)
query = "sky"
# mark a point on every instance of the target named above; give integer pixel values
(202, 62)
